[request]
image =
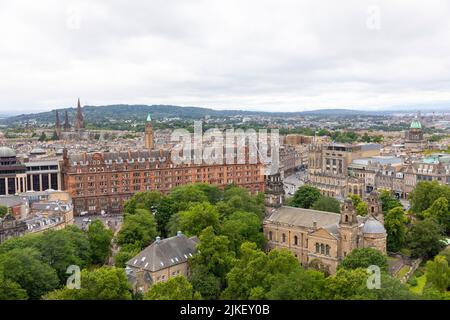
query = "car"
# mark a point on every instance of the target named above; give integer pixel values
(87, 220)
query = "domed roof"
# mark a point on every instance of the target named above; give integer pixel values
(372, 225)
(415, 124)
(6, 152)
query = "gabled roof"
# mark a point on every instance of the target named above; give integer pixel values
(165, 253)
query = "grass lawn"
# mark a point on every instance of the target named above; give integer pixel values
(401, 273)
(421, 281)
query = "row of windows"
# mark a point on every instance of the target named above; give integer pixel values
(284, 238)
(323, 249)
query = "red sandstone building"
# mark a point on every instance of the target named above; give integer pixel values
(103, 181)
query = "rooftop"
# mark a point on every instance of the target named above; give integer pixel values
(165, 253)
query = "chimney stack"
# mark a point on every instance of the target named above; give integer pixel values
(158, 239)
(315, 224)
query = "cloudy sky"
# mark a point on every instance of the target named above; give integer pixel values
(256, 55)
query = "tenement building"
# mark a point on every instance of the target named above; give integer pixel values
(328, 166)
(325, 238)
(102, 181)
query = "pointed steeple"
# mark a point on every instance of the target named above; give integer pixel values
(66, 122)
(149, 118)
(57, 125)
(79, 120)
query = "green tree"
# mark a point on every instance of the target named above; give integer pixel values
(242, 226)
(297, 285)
(351, 284)
(58, 251)
(253, 274)
(425, 194)
(42, 137)
(363, 258)
(305, 197)
(425, 239)
(176, 288)
(105, 283)
(126, 253)
(142, 200)
(3, 211)
(394, 223)
(239, 199)
(359, 204)
(438, 273)
(100, 242)
(11, 290)
(193, 221)
(214, 253)
(139, 228)
(180, 198)
(439, 211)
(55, 136)
(327, 204)
(388, 201)
(204, 282)
(24, 267)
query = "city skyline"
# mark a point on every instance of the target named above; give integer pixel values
(290, 56)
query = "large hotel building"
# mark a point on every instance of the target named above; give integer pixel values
(101, 181)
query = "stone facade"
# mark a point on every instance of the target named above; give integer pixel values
(324, 237)
(328, 167)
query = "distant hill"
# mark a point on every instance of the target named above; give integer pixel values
(123, 112)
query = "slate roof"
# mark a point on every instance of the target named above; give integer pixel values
(165, 253)
(303, 217)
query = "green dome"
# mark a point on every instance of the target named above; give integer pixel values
(415, 124)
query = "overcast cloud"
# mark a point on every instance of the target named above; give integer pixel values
(256, 55)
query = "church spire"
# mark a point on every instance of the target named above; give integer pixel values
(79, 120)
(66, 122)
(57, 125)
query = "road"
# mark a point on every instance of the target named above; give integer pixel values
(293, 182)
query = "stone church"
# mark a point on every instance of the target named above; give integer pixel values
(325, 238)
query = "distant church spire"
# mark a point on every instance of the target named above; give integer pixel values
(57, 125)
(79, 120)
(66, 122)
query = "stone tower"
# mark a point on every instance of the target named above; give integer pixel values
(374, 207)
(66, 122)
(79, 120)
(148, 136)
(58, 125)
(273, 190)
(348, 228)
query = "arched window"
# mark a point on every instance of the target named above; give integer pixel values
(322, 249)
(346, 218)
(317, 248)
(327, 250)
(283, 237)
(270, 235)
(296, 241)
